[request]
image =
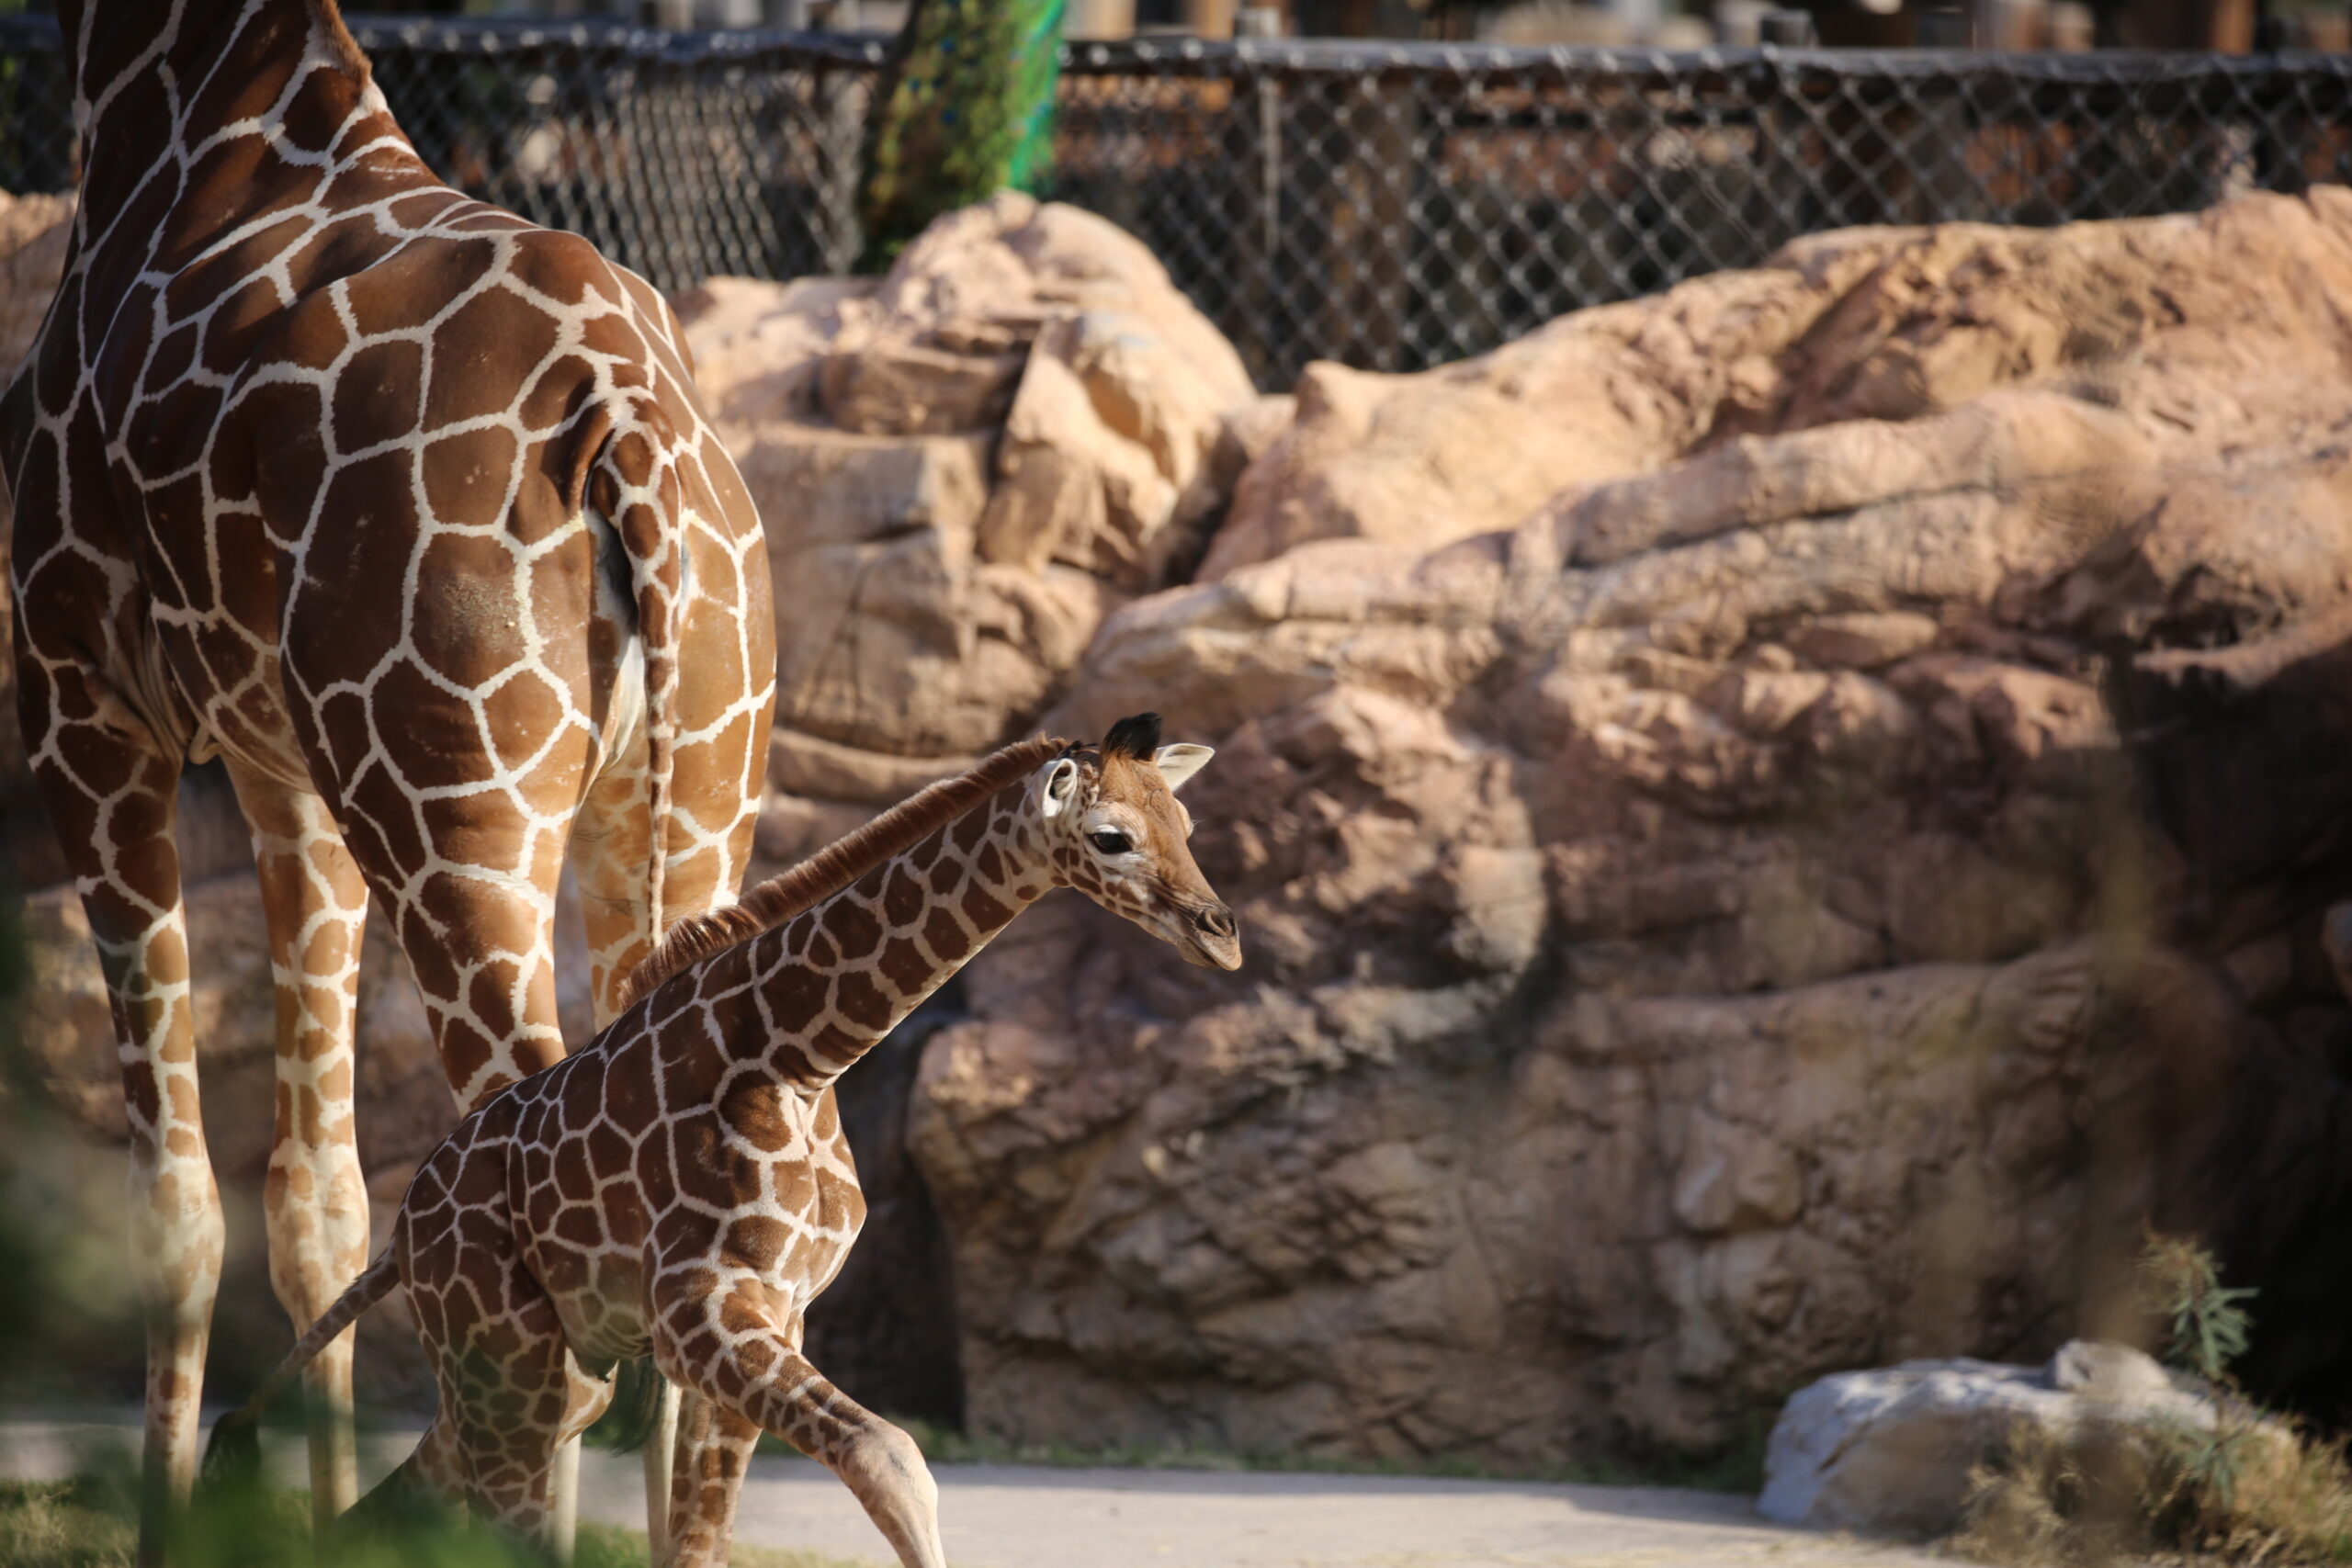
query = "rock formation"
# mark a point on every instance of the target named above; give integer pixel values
(963, 466)
(1773, 823)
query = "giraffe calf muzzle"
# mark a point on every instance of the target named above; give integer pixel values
(1213, 937)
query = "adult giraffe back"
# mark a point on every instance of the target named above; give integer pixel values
(408, 511)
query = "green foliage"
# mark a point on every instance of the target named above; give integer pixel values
(2206, 1329)
(92, 1522)
(964, 111)
(2180, 1283)
(627, 1424)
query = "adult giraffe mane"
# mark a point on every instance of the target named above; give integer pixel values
(835, 866)
(353, 60)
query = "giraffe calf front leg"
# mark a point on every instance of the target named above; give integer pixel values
(715, 1447)
(740, 1360)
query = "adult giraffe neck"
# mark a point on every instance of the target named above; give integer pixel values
(837, 979)
(153, 79)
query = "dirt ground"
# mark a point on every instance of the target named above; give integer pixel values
(1032, 1517)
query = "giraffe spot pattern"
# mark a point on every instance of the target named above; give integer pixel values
(289, 379)
(684, 1187)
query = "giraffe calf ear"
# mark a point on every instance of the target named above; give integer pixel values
(1179, 763)
(1060, 789)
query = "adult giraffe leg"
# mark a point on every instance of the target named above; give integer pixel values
(611, 840)
(483, 952)
(110, 786)
(315, 1198)
(454, 779)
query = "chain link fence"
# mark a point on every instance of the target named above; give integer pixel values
(1391, 206)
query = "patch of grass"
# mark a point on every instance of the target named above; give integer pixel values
(92, 1522)
(2112, 1493)
(64, 1525)
(2245, 1489)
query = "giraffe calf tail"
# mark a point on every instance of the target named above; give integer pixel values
(234, 1452)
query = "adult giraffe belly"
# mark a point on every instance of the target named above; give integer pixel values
(228, 681)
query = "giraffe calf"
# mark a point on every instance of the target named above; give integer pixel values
(682, 1185)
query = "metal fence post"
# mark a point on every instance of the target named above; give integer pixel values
(843, 97)
(1257, 92)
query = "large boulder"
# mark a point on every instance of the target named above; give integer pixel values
(962, 467)
(2201, 335)
(1893, 1449)
(1792, 900)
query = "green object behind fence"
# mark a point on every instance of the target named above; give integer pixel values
(965, 110)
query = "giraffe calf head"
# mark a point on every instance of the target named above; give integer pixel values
(1117, 832)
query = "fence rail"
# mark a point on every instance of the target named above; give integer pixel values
(1392, 206)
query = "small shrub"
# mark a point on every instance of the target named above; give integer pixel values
(2248, 1489)
(2181, 1285)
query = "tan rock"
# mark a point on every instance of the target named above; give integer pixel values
(962, 467)
(816, 485)
(892, 385)
(34, 233)
(1769, 823)
(1050, 500)
(808, 765)
(1866, 639)
(760, 347)
(792, 828)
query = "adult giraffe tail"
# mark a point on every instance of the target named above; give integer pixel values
(636, 485)
(643, 497)
(234, 1452)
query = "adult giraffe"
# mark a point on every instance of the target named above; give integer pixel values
(407, 509)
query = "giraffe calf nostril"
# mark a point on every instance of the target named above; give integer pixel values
(1215, 920)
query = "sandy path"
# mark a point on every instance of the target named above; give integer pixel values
(1031, 1516)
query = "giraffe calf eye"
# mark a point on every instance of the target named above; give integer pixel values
(1110, 842)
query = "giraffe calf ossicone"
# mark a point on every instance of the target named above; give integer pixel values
(682, 1184)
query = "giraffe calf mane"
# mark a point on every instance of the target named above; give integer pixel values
(835, 866)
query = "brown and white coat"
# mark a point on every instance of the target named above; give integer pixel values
(682, 1185)
(406, 509)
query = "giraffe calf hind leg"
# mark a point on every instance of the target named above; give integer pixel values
(427, 1484)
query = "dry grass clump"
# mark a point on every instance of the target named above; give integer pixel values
(2258, 1493)
(2247, 1489)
